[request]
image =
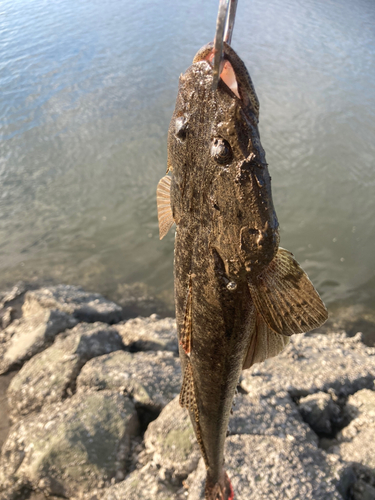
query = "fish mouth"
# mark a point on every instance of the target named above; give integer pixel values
(227, 73)
(233, 74)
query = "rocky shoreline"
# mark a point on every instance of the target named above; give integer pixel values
(92, 402)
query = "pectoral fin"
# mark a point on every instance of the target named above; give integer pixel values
(264, 344)
(286, 298)
(164, 206)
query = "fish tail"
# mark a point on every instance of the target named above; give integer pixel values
(222, 490)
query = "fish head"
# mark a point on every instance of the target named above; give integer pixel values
(220, 179)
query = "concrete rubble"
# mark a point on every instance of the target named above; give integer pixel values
(95, 415)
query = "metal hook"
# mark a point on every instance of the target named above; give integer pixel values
(224, 30)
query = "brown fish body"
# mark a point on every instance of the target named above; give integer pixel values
(227, 259)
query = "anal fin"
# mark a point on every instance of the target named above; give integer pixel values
(188, 400)
(286, 298)
(187, 394)
(163, 201)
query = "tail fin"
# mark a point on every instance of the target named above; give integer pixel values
(221, 490)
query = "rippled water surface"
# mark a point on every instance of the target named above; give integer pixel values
(87, 92)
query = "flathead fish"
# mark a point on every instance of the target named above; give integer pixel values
(239, 296)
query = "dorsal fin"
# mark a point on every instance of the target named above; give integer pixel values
(163, 200)
(286, 298)
(264, 344)
(186, 331)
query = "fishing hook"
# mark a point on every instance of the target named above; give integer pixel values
(224, 30)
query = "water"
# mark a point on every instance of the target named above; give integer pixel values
(87, 92)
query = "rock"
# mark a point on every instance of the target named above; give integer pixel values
(73, 447)
(49, 375)
(9, 296)
(276, 415)
(355, 439)
(30, 335)
(315, 363)
(269, 467)
(363, 491)
(364, 486)
(151, 378)
(320, 412)
(137, 299)
(142, 484)
(85, 306)
(82, 383)
(11, 305)
(171, 442)
(6, 316)
(4, 409)
(149, 334)
(360, 408)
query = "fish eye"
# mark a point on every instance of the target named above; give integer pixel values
(221, 151)
(181, 127)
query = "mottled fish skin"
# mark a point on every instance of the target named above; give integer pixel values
(226, 252)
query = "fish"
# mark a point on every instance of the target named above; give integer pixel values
(239, 296)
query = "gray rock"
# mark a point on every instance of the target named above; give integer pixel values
(49, 375)
(85, 306)
(29, 335)
(151, 378)
(137, 299)
(356, 440)
(171, 442)
(6, 316)
(363, 491)
(320, 412)
(275, 415)
(142, 484)
(149, 334)
(269, 467)
(315, 363)
(10, 295)
(360, 408)
(364, 485)
(70, 449)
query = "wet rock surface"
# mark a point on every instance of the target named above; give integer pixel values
(95, 410)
